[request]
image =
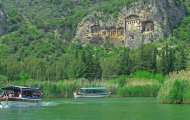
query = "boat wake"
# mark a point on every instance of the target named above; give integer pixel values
(41, 104)
(1, 106)
(47, 104)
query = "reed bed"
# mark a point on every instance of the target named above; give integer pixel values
(119, 87)
(176, 89)
(131, 88)
(139, 88)
(65, 88)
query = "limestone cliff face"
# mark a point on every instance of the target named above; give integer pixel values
(139, 22)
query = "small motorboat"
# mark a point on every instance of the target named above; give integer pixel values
(91, 92)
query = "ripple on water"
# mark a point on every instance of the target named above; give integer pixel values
(48, 104)
(71, 102)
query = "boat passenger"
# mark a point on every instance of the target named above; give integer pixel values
(10, 94)
(30, 94)
(40, 94)
(2, 94)
(24, 95)
(20, 95)
(16, 93)
(27, 94)
(78, 90)
(5, 94)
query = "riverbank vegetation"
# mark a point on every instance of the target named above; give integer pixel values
(137, 85)
(176, 88)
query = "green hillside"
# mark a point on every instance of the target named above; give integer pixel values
(47, 24)
(37, 44)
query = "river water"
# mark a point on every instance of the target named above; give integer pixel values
(98, 109)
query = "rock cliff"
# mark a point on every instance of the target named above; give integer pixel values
(140, 22)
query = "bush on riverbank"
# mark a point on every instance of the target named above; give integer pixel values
(149, 76)
(176, 89)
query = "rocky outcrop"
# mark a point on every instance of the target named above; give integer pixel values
(139, 22)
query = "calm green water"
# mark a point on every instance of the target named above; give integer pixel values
(98, 109)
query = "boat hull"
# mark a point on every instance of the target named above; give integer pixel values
(16, 102)
(87, 95)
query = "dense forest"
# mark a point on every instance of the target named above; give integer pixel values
(37, 44)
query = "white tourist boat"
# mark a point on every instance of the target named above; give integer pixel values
(92, 92)
(20, 96)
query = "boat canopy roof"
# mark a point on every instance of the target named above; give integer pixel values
(19, 88)
(94, 88)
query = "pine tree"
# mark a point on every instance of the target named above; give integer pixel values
(167, 60)
(76, 54)
(143, 59)
(171, 60)
(76, 69)
(124, 63)
(183, 60)
(154, 61)
(89, 65)
(163, 62)
(97, 67)
(83, 56)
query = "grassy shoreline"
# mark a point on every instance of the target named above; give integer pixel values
(126, 88)
(175, 89)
